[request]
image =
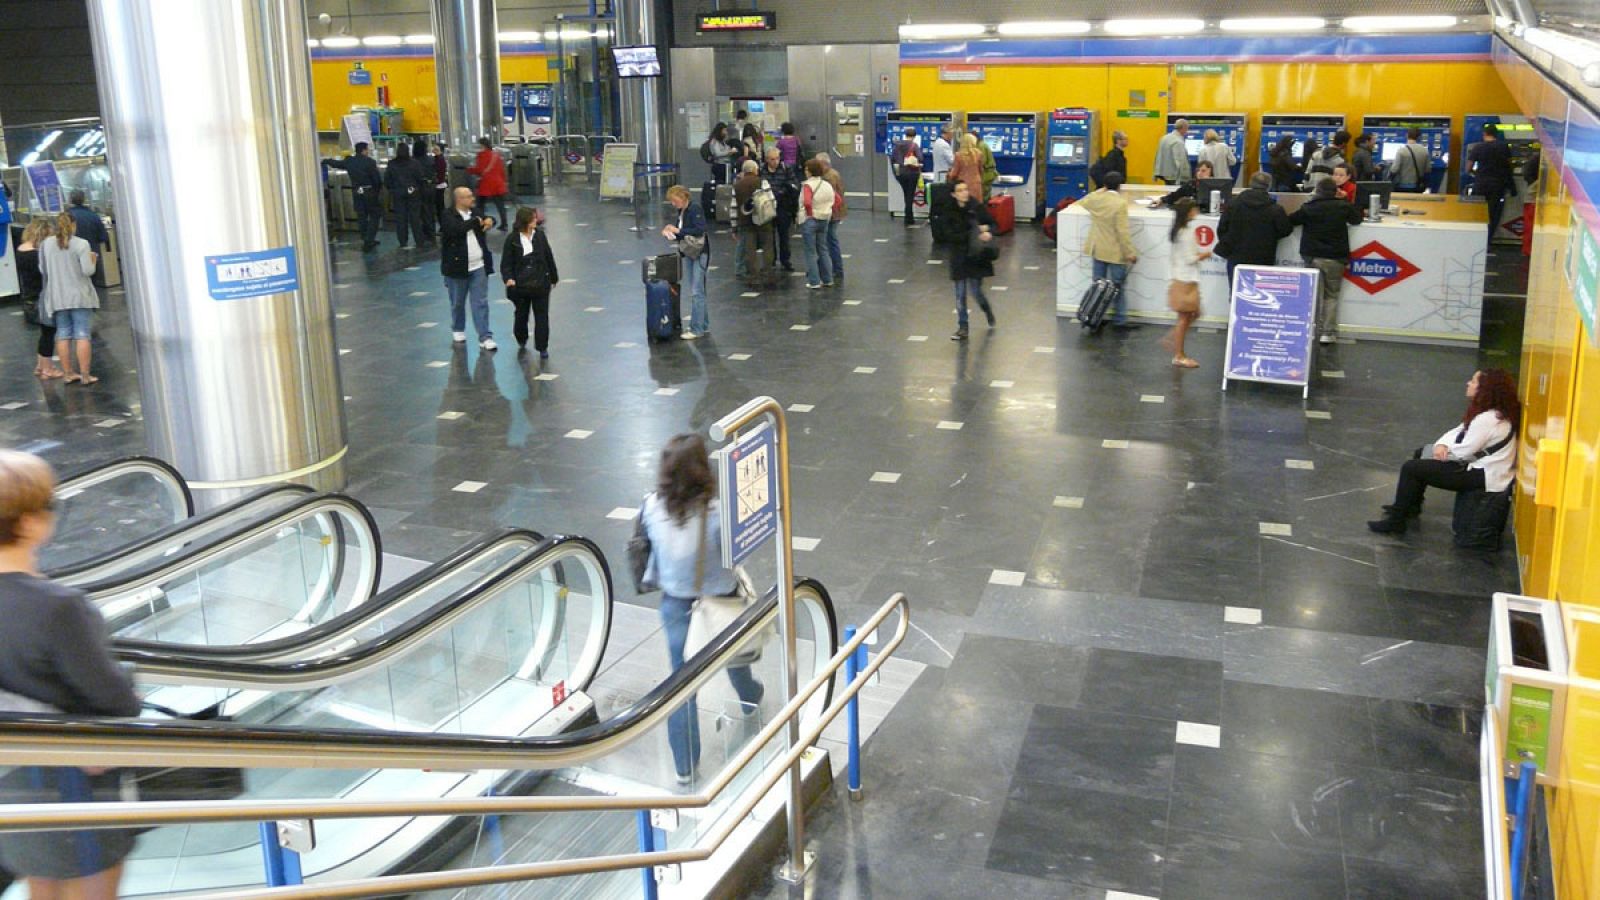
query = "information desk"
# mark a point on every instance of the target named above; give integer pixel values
(1412, 277)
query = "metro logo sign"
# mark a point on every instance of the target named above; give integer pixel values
(1375, 268)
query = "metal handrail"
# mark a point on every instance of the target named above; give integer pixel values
(170, 478)
(59, 816)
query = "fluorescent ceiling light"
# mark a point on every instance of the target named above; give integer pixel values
(419, 39)
(941, 31)
(1154, 26)
(518, 36)
(313, 42)
(1579, 53)
(1398, 23)
(1290, 23)
(382, 40)
(1503, 22)
(1042, 29)
(341, 42)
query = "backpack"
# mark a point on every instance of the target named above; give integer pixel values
(763, 204)
(705, 152)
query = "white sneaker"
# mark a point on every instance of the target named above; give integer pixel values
(489, 344)
(690, 336)
(459, 337)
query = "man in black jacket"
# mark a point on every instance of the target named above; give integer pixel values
(1490, 163)
(1325, 222)
(366, 182)
(408, 182)
(785, 184)
(466, 264)
(1115, 160)
(1251, 226)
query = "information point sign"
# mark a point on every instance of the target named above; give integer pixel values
(1271, 317)
(747, 481)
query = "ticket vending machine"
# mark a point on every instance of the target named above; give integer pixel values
(928, 125)
(1072, 136)
(1230, 128)
(535, 102)
(1320, 127)
(1013, 138)
(1518, 133)
(1390, 136)
(509, 132)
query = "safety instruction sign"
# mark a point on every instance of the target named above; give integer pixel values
(1270, 325)
(240, 276)
(748, 481)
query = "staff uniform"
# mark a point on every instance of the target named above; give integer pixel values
(365, 182)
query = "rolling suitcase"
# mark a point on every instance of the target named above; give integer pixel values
(1096, 303)
(665, 267)
(1004, 210)
(724, 203)
(663, 317)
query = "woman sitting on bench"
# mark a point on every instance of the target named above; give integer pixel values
(1479, 455)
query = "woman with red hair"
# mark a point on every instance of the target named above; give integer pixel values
(1480, 454)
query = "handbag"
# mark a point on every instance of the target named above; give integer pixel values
(692, 245)
(712, 614)
(639, 549)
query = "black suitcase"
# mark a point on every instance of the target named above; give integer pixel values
(938, 197)
(1097, 301)
(1479, 518)
(661, 268)
(662, 314)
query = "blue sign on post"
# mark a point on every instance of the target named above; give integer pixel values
(880, 121)
(239, 276)
(1270, 325)
(748, 481)
(46, 186)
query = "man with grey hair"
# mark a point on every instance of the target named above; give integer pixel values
(1172, 157)
(1115, 160)
(944, 155)
(755, 238)
(831, 176)
(1251, 226)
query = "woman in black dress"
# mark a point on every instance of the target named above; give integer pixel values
(31, 280)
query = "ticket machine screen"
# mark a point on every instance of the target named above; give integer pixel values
(1065, 151)
(1391, 149)
(1299, 150)
(1192, 145)
(996, 142)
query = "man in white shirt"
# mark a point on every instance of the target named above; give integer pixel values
(466, 264)
(944, 156)
(1172, 157)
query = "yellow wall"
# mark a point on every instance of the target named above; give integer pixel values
(1354, 89)
(411, 87)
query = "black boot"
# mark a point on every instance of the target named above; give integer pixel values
(1393, 522)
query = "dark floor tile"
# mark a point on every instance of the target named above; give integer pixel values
(1250, 795)
(1368, 879)
(1199, 580)
(1201, 866)
(1163, 687)
(1099, 751)
(1306, 725)
(1081, 837)
(1460, 619)
(1432, 825)
(952, 589)
(1026, 671)
(1290, 602)
(1426, 740)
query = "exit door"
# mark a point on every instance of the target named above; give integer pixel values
(851, 145)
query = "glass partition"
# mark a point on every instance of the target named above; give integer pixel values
(111, 507)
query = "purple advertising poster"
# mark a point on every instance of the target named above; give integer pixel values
(1270, 325)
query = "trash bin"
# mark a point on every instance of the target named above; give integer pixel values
(1526, 681)
(527, 169)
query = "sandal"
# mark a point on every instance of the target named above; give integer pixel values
(1184, 362)
(52, 373)
(71, 377)
(91, 379)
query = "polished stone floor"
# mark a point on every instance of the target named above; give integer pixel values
(1165, 657)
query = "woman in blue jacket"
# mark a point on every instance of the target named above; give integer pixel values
(689, 232)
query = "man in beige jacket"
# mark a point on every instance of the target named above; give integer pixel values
(1109, 243)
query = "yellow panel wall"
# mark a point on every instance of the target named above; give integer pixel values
(411, 84)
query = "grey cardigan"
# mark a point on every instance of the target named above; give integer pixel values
(66, 276)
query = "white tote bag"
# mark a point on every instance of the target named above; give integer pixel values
(713, 613)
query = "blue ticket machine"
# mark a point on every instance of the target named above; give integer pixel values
(508, 110)
(1320, 127)
(1389, 133)
(1013, 138)
(1518, 133)
(1230, 128)
(1071, 137)
(927, 125)
(538, 112)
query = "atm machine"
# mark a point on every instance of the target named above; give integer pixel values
(1230, 128)
(1072, 136)
(509, 132)
(1518, 133)
(1013, 137)
(928, 126)
(535, 102)
(1320, 127)
(1390, 135)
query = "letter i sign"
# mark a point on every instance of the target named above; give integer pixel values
(1205, 236)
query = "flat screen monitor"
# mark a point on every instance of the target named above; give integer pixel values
(1299, 150)
(1204, 187)
(1192, 145)
(636, 62)
(1063, 151)
(996, 142)
(1365, 189)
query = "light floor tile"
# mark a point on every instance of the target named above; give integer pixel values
(738, 357)
(864, 370)
(602, 241)
(917, 338)
(935, 262)
(16, 404)
(1241, 615)
(666, 392)
(1030, 268)
(1068, 502)
(999, 288)
(1152, 398)
(949, 426)
(1008, 577)
(852, 303)
(470, 487)
(624, 345)
(546, 376)
(897, 281)
(885, 477)
(1299, 464)
(623, 513)
(1002, 384)
(1114, 444)
(414, 294)
(594, 309)
(1197, 734)
(880, 240)
(1332, 373)
(751, 294)
(450, 415)
(799, 327)
(341, 315)
(108, 423)
(801, 407)
(805, 544)
(438, 364)
(1124, 895)
(1277, 529)
(1318, 414)
(427, 324)
(343, 351)
(578, 434)
(1044, 349)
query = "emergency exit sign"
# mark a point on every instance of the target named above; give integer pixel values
(1202, 68)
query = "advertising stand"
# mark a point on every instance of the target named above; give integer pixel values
(1271, 323)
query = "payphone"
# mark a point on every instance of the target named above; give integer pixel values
(1230, 129)
(1389, 133)
(927, 125)
(1518, 133)
(1072, 134)
(1013, 138)
(536, 103)
(1320, 127)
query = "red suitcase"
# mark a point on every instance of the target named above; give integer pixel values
(1004, 210)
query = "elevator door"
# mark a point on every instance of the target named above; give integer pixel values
(851, 145)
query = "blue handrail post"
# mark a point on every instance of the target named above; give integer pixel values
(1521, 810)
(647, 844)
(282, 866)
(853, 715)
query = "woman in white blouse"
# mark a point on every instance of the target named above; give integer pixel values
(1183, 291)
(1479, 454)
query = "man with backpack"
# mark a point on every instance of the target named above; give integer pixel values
(757, 208)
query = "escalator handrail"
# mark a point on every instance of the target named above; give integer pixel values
(176, 529)
(201, 551)
(137, 650)
(83, 740)
(97, 472)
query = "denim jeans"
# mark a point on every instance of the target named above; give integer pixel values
(740, 237)
(819, 266)
(834, 255)
(683, 726)
(974, 287)
(694, 282)
(1118, 273)
(476, 287)
(72, 324)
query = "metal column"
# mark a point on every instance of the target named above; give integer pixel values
(207, 109)
(646, 102)
(466, 62)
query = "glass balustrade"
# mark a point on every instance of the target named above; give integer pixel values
(111, 506)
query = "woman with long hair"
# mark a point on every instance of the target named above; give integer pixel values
(1480, 454)
(1286, 172)
(529, 267)
(1183, 291)
(684, 523)
(69, 296)
(31, 278)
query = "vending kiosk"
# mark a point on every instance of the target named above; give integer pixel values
(927, 125)
(1230, 128)
(1013, 138)
(509, 133)
(1071, 138)
(1390, 135)
(535, 102)
(1320, 127)
(1518, 133)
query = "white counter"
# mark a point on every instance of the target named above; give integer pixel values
(1411, 278)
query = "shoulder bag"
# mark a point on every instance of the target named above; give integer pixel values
(639, 549)
(713, 614)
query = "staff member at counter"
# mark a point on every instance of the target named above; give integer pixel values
(1189, 189)
(1325, 222)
